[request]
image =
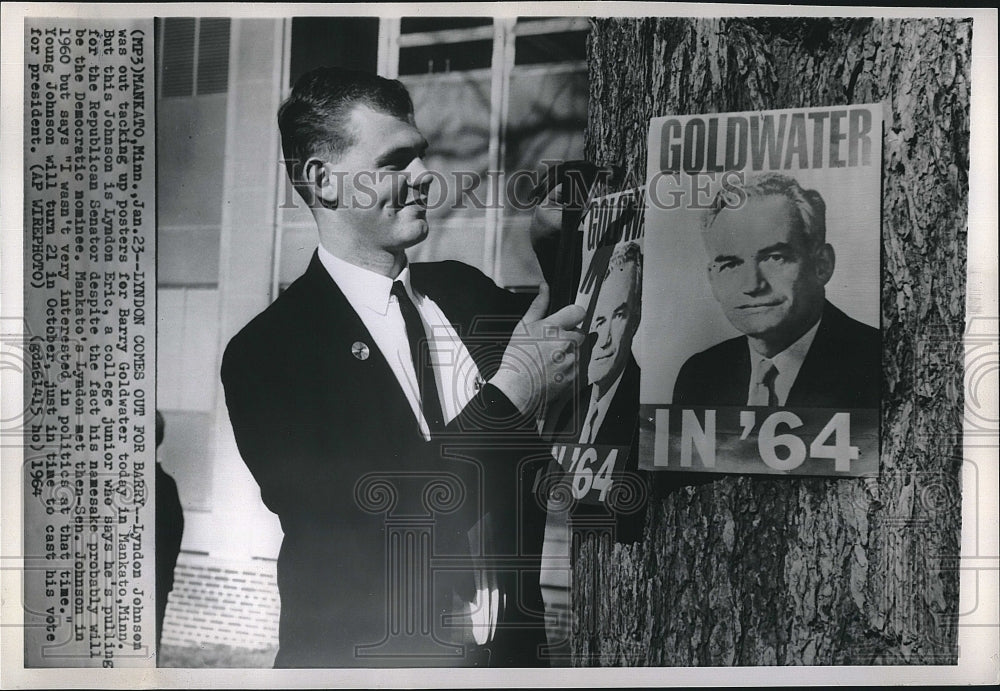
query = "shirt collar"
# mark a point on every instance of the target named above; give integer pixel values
(362, 287)
(789, 361)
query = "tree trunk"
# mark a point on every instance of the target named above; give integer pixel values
(757, 571)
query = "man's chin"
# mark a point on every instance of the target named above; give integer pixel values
(599, 377)
(756, 328)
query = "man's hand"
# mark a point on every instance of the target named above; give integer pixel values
(541, 358)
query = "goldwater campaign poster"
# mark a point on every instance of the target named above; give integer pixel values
(594, 433)
(764, 308)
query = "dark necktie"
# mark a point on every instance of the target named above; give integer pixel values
(421, 355)
(768, 381)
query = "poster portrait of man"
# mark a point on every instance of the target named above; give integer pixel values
(764, 308)
(768, 266)
(612, 372)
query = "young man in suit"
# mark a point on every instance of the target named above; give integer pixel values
(769, 263)
(388, 414)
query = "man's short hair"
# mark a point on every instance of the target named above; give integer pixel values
(314, 119)
(810, 209)
(621, 257)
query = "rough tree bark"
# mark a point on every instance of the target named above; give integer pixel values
(758, 571)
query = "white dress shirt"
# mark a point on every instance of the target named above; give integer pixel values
(788, 363)
(455, 373)
(597, 411)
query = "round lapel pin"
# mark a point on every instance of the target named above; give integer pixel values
(360, 350)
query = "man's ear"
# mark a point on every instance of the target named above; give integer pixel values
(826, 262)
(324, 187)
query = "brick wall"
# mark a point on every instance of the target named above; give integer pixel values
(217, 601)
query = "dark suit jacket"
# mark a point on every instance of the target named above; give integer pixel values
(842, 369)
(335, 448)
(619, 424)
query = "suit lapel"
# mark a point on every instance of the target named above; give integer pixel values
(336, 328)
(620, 421)
(739, 385)
(817, 377)
(360, 372)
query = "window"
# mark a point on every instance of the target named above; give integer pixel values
(444, 44)
(350, 42)
(194, 56)
(193, 85)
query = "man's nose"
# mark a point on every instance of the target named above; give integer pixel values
(603, 336)
(753, 280)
